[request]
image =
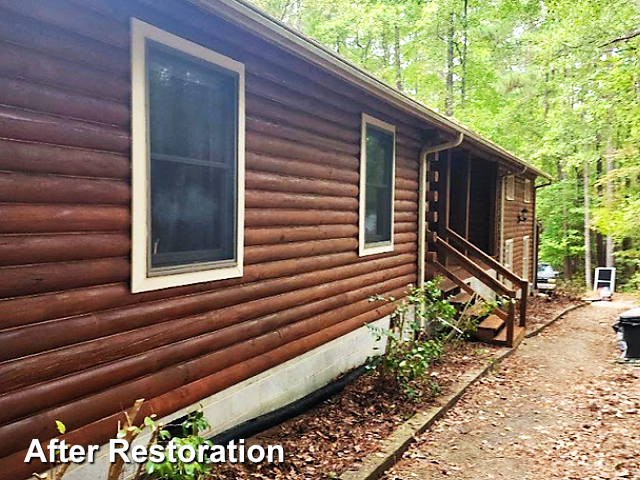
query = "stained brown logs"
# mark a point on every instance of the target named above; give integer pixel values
(24, 188)
(269, 253)
(47, 277)
(25, 63)
(265, 200)
(20, 218)
(27, 310)
(23, 94)
(273, 129)
(41, 396)
(255, 217)
(26, 125)
(286, 148)
(43, 158)
(14, 343)
(270, 236)
(45, 38)
(272, 110)
(25, 249)
(288, 166)
(18, 435)
(70, 17)
(280, 183)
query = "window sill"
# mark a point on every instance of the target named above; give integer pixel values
(142, 282)
(375, 249)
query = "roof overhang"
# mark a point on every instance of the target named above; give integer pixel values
(258, 22)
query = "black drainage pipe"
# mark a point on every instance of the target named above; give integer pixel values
(268, 420)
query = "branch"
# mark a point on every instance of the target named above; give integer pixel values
(624, 38)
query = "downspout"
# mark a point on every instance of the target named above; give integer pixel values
(422, 201)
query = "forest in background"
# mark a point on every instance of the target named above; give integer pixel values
(555, 82)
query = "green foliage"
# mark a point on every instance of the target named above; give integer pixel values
(190, 436)
(545, 79)
(411, 350)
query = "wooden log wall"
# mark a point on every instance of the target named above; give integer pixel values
(512, 229)
(75, 344)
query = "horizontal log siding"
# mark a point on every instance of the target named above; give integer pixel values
(512, 229)
(65, 221)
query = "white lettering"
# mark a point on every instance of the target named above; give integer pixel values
(184, 458)
(156, 454)
(76, 453)
(35, 451)
(139, 453)
(217, 454)
(251, 457)
(121, 450)
(276, 448)
(92, 453)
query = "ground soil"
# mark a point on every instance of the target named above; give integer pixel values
(340, 432)
(541, 310)
(559, 408)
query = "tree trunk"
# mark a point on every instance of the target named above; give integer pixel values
(465, 48)
(587, 228)
(450, 48)
(609, 165)
(600, 246)
(397, 57)
(568, 273)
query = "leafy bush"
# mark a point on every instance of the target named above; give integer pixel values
(410, 348)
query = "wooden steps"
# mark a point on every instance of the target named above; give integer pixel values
(489, 328)
(461, 298)
(493, 329)
(518, 335)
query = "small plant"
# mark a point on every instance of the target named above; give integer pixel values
(188, 434)
(410, 349)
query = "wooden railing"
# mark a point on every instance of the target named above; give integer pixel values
(481, 274)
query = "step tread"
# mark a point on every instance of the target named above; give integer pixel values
(518, 335)
(492, 322)
(476, 310)
(462, 297)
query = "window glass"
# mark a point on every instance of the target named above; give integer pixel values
(192, 137)
(379, 185)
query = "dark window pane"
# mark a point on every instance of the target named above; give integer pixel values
(193, 125)
(379, 186)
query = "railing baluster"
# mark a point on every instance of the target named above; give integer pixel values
(511, 320)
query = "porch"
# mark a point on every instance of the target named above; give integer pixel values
(464, 242)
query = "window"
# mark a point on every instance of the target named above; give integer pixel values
(510, 187)
(377, 179)
(526, 247)
(527, 191)
(188, 162)
(507, 259)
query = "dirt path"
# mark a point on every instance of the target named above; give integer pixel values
(560, 407)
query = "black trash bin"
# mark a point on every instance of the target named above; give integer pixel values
(628, 328)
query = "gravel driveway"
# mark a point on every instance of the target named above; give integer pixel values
(560, 407)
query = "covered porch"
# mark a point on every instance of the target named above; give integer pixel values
(465, 239)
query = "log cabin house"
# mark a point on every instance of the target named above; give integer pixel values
(196, 203)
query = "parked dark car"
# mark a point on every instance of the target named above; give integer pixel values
(546, 280)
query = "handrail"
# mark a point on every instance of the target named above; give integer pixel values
(492, 262)
(501, 269)
(477, 270)
(464, 286)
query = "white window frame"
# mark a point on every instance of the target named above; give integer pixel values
(510, 187)
(526, 256)
(379, 247)
(527, 190)
(141, 280)
(507, 259)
